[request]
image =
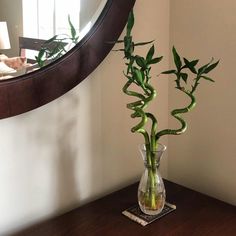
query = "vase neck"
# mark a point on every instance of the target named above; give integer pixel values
(152, 158)
(152, 161)
(152, 166)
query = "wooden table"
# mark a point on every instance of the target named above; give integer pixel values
(196, 214)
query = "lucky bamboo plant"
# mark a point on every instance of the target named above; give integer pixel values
(138, 85)
(57, 46)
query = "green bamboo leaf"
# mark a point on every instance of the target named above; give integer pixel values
(138, 76)
(129, 47)
(155, 60)
(202, 69)
(72, 28)
(41, 63)
(51, 39)
(119, 41)
(76, 39)
(143, 43)
(191, 65)
(114, 42)
(169, 72)
(141, 62)
(194, 62)
(177, 59)
(41, 53)
(184, 76)
(207, 78)
(130, 65)
(130, 23)
(150, 53)
(118, 50)
(40, 56)
(143, 75)
(211, 67)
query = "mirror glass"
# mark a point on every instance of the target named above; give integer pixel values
(32, 23)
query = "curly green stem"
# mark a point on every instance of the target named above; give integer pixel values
(137, 107)
(177, 114)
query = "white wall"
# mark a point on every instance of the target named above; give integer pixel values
(78, 147)
(204, 157)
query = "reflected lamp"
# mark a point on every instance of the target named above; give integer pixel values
(4, 36)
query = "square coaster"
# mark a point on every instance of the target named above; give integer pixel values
(134, 213)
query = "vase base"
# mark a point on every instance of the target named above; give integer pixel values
(134, 213)
(159, 202)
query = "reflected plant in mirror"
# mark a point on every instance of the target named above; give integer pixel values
(57, 46)
(33, 23)
(188, 76)
(93, 19)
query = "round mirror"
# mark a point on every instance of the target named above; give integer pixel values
(37, 32)
(31, 90)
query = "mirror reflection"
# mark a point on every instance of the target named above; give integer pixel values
(33, 33)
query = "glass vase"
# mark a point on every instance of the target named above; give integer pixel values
(151, 190)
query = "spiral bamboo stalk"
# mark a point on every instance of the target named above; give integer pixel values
(138, 74)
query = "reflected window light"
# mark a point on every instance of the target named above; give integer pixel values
(85, 30)
(44, 22)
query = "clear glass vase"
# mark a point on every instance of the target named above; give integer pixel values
(151, 190)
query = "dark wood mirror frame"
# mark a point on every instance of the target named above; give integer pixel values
(29, 91)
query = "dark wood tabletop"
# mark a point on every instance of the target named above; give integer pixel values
(196, 215)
